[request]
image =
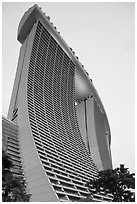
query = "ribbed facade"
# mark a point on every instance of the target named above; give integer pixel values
(56, 161)
(10, 145)
(52, 115)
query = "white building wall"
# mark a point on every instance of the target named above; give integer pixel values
(90, 135)
(94, 148)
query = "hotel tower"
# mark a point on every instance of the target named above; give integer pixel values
(63, 131)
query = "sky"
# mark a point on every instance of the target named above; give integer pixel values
(102, 36)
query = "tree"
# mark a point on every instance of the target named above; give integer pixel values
(118, 182)
(13, 188)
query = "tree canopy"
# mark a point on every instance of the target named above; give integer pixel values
(13, 188)
(120, 183)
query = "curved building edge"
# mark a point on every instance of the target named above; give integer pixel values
(81, 77)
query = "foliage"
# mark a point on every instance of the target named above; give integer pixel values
(13, 188)
(118, 182)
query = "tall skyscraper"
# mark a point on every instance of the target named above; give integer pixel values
(63, 131)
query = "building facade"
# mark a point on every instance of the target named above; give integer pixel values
(10, 144)
(95, 131)
(63, 132)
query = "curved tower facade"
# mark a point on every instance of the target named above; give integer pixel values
(62, 145)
